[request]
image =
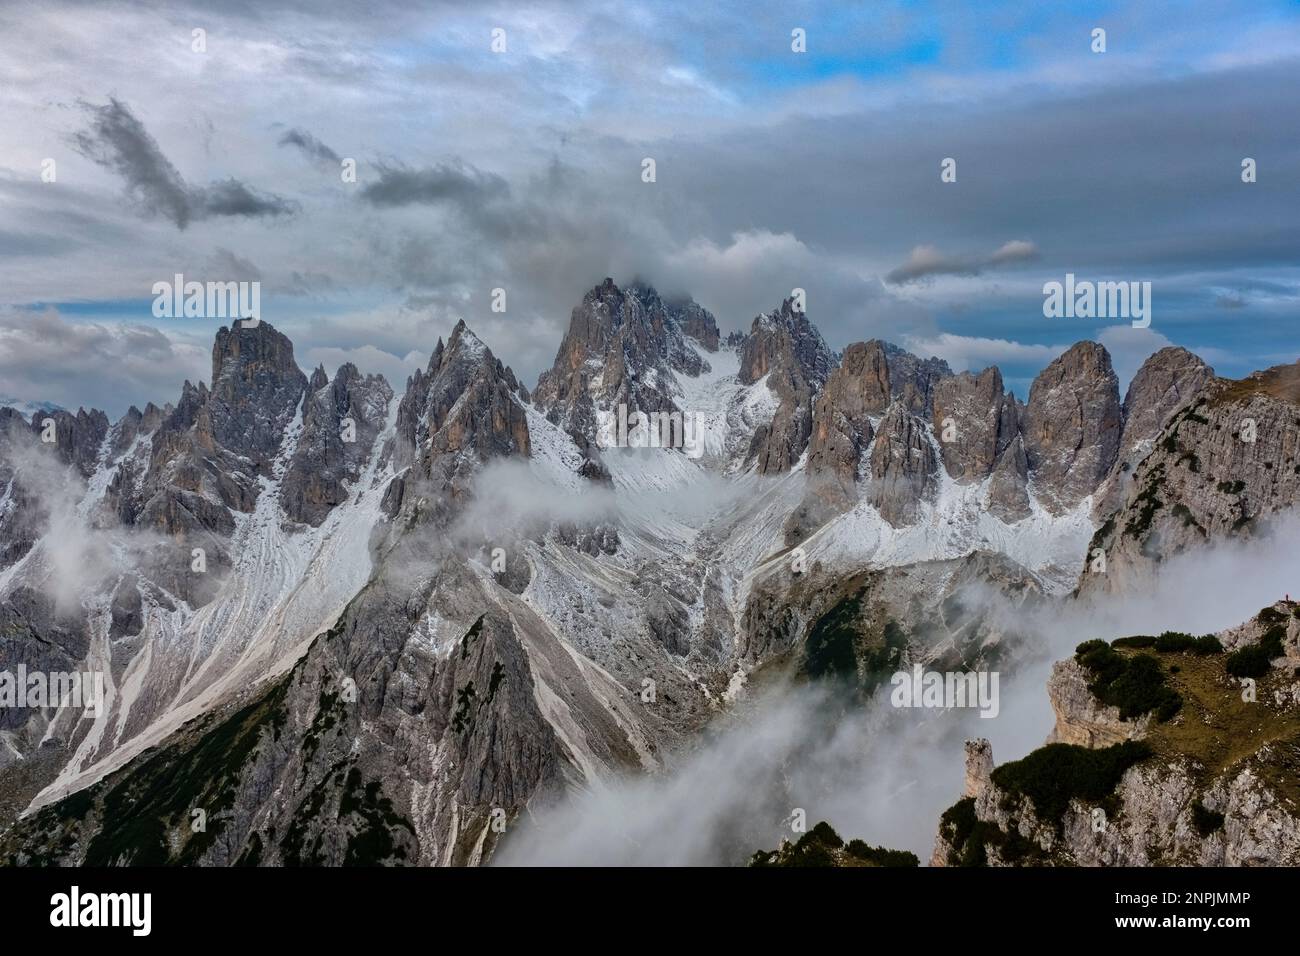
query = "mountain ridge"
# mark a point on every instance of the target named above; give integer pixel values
(363, 558)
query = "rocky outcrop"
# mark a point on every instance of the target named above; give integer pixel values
(1167, 382)
(974, 421)
(853, 439)
(78, 439)
(1208, 782)
(623, 347)
(1080, 718)
(855, 392)
(1221, 467)
(979, 767)
(786, 351)
(1072, 426)
(1008, 489)
(341, 421)
(903, 464)
(256, 389)
(913, 380)
(463, 410)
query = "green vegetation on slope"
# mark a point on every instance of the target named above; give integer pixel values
(823, 847)
(1134, 683)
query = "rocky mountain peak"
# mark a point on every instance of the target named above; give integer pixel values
(1222, 465)
(340, 423)
(903, 466)
(1072, 425)
(623, 346)
(786, 349)
(975, 420)
(256, 388)
(1167, 380)
(912, 379)
(465, 409)
(785, 341)
(259, 356)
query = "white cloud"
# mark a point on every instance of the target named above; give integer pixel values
(974, 353)
(44, 357)
(369, 361)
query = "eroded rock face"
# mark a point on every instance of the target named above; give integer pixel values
(1167, 382)
(903, 464)
(855, 391)
(1168, 807)
(1072, 426)
(379, 747)
(1008, 490)
(256, 388)
(870, 378)
(979, 767)
(78, 438)
(786, 349)
(980, 419)
(1080, 718)
(464, 410)
(341, 421)
(912, 380)
(1204, 480)
(623, 346)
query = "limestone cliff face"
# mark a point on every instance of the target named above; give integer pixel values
(623, 346)
(1212, 785)
(1008, 489)
(1168, 381)
(465, 409)
(341, 421)
(856, 390)
(784, 348)
(1072, 426)
(980, 420)
(1153, 822)
(868, 426)
(1080, 718)
(1221, 467)
(903, 465)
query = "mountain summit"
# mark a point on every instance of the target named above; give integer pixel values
(369, 627)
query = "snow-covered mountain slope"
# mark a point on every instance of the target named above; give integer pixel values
(478, 602)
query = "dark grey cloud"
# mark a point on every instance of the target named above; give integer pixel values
(310, 145)
(457, 184)
(117, 140)
(793, 182)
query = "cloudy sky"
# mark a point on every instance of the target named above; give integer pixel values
(522, 169)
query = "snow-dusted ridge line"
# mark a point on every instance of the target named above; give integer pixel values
(290, 583)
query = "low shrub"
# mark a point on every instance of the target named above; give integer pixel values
(1136, 684)
(1053, 775)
